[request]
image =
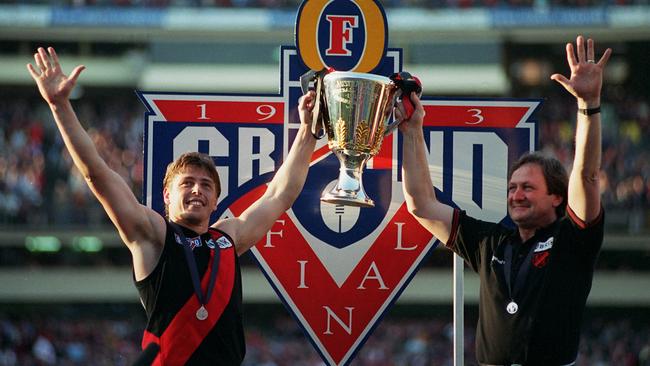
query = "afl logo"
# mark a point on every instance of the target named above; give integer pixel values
(347, 35)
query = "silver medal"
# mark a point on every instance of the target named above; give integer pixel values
(512, 307)
(202, 313)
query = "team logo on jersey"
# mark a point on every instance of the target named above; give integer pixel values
(223, 243)
(210, 243)
(194, 242)
(350, 34)
(190, 242)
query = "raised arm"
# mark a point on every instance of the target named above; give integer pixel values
(585, 85)
(419, 192)
(136, 223)
(255, 221)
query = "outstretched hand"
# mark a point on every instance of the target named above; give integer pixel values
(586, 77)
(54, 86)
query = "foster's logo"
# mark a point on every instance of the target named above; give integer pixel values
(347, 35)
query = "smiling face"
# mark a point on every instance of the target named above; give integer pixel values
(529, 204)
(191, 197)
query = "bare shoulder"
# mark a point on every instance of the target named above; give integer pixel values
(158, 225)
(147, 248)
(148, 227)
(231, 227)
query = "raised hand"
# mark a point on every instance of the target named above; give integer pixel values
(305, 106)
(586, 77)
(416, 119)
(54, 86)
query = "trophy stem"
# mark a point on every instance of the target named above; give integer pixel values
(349, 187)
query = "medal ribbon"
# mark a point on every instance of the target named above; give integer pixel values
(521, 275)
(194, 273)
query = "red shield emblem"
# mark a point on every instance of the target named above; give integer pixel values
(540, 259)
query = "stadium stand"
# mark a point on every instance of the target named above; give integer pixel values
(293, 3)
(70, 335)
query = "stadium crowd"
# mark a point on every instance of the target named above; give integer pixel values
(99, 341)
(37, 182)
(625, 174)
(38, 185)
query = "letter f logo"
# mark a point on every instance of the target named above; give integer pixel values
(341, 34)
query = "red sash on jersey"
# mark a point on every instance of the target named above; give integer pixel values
(185, 332)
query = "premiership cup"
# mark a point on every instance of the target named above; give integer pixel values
(356, 116)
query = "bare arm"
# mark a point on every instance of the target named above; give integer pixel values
(585, 84)
(419, 192)
(136, 223)
(282, 191)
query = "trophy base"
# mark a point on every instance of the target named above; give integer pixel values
(343, 199)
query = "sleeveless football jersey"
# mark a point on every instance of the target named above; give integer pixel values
(171, 304)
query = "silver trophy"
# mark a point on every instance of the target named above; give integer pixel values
(355, 111)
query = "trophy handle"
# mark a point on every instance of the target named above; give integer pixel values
(393, 125)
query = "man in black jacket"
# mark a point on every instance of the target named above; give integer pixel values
(535, 278)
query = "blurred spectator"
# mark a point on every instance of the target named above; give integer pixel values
(43, 351)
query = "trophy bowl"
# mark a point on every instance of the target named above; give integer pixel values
(356, 117)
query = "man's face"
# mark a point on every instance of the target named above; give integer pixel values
(191, 196)
(529, 204)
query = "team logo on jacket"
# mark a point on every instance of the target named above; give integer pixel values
(542, 252)
(541, 259)
(544, 245)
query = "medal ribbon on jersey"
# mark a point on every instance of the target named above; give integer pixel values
(202, 312)
(512, 306)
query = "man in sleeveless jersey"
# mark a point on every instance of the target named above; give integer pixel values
(535, 278)
(185, 267)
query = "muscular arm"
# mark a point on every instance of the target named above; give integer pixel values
(585, 84)
(282, 191)
(418, 189)
(141, 229)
